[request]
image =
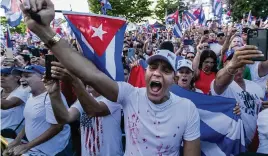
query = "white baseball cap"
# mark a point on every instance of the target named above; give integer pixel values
(164, 55)
(185, 63)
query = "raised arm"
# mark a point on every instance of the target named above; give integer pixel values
(74, 62)
(226, 75)
(89, 104)
(62, 114)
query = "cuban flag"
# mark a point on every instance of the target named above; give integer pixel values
(105, 5)
(189, 15)
(177, 31)
(12, 11)
(201, 18)
(217, 8)
(101, 39)
(174, 16)
(249, 19)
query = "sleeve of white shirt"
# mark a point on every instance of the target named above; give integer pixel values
(192, 130)
(78, 106)
(21, 93)
(113, 107)
(50, 117)
(125, 90)
(262, 123)
(227, 93)
(254, 72)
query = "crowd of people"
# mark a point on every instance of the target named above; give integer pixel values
(79, 110)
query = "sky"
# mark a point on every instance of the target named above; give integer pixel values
(82, 6)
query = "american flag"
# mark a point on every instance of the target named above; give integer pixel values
(91, 130)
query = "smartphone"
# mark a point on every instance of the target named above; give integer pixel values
(9, 53)
(130, 53)
(188, 42)
(48, 59)
(259, 38)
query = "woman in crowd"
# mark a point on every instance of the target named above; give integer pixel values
(185, 75)
(205, 68)
(13, 98)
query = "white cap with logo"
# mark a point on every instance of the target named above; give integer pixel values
(165, 55)
(185, 63)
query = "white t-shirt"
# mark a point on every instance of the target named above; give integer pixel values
(156, 129)
(39, 117)
(249, 102)
(199, 91)
(11, 118)
(254, 72)
(101, 135)
(263, 131)
(216, 47)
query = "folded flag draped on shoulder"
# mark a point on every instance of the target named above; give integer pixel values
(101, 39)
(222, 132)
(12, 11)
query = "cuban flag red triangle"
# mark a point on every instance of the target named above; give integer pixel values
(101, 39)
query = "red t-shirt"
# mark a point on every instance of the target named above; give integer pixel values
(204, 81)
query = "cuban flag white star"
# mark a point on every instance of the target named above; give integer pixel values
(98, 32)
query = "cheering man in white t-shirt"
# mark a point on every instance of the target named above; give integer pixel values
(229, 83)
(156, 120)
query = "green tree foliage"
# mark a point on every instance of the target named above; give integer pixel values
(259, 8)
(21, 28)
(168, 6)
(133, 10)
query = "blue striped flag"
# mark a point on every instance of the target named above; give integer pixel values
(201, 18)
(217, 9)
(222, 132)
(101, 39)
(12, 12)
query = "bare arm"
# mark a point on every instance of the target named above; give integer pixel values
(47, 135)
(81, 67)
(191, 148)
(10, 103)
(20, 135)
(196, 62)
(240, 58)
(62, 114)
(90, 105)
(223, 79)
